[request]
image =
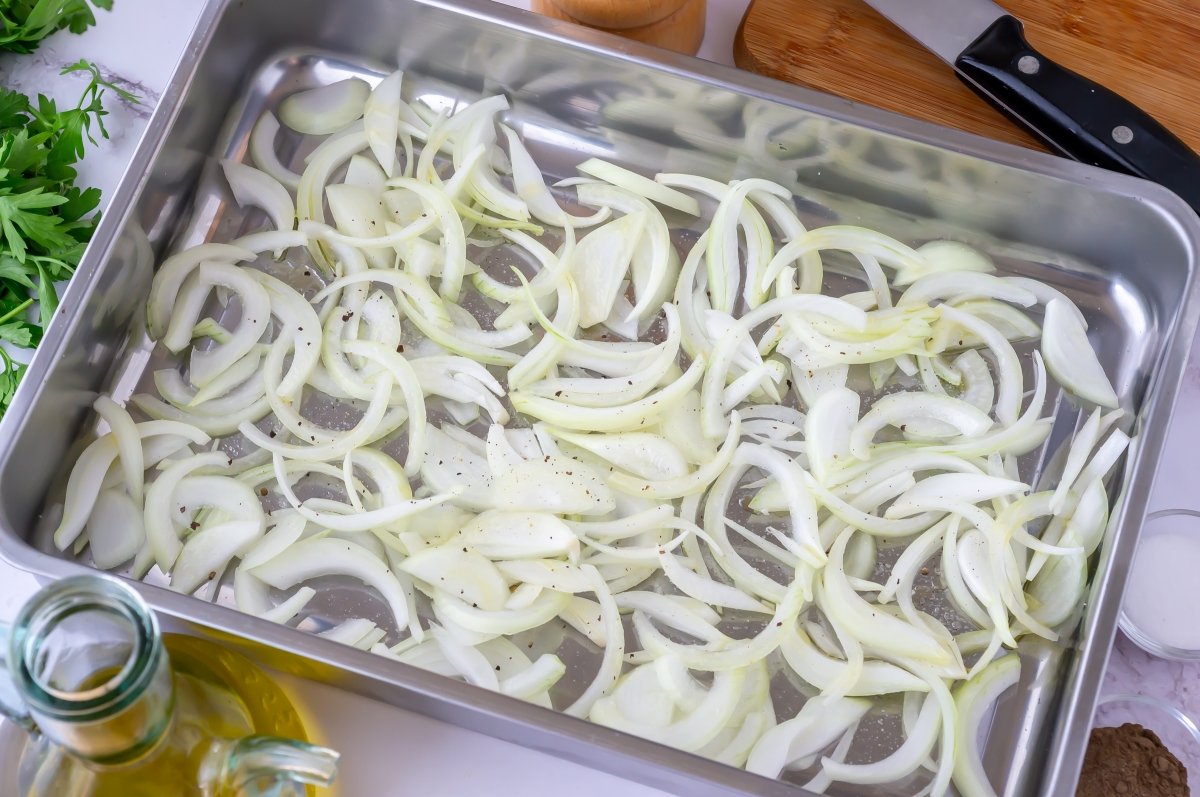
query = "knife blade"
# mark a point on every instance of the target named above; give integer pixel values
(1079, 118)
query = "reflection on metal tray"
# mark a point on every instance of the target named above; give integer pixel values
(1122, 249)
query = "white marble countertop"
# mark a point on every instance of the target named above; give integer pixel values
(136, 45)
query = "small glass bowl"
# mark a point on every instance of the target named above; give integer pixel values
(1142, 638)
(1173, 727)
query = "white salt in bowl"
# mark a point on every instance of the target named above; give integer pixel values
(1161, 610)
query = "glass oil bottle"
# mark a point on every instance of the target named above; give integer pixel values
(114, 709)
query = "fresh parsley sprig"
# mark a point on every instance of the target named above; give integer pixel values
(45, 219)
(24, 23)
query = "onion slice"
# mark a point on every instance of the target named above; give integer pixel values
(973, 702)
(325, 109)
(1071, 359)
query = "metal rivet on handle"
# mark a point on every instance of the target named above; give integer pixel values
(1029, 64)
(1122, 134)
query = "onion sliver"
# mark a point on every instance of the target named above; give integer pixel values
(259, 189)
(381, 120)
(325, 109)
(642, 186)
(679, 485)
(820, 722)
(1071, 359)
(316, 557)
(625, 418)
(87, 475)
(171, 275)
(115, 529)
(129, 444)
(906, 759)
(209, 550)
(896, 408)
(406, 378)
(262, 149)
(614, 648)
(714, 593)
(824, 672)
(974, 701)
(874, 627)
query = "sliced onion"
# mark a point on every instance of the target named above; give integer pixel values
(587, 506)
(129, 444)
(326, 109)
(973, 703)
(578, 489)
(642, 186)
(531, 187)
(207, 552)
(290, 607)
(1071, 359)
(318, 556)
(519, 535)
(895, 409)
(288, 528)
(259, 189)
(262, 149)
(827, 431)
(600, 263)
(169, 279)
(205, 366)
(874, 627)
(352, 632)
(819, 724)
(942, 256)
(685, 484)
(826, 672)
(466, 573)
(381, 121)
(905, 760)
(625, 418)
(1011, 388)
(614, 648)
(115, 529)
(706, 590)
(537, 679)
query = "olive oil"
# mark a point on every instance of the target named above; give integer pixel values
(218, 694)
(150, 715)
(225, 679)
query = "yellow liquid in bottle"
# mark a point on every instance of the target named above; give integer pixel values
(219, 694)
(226, 678)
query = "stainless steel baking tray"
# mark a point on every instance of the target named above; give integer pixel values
(1125, 250)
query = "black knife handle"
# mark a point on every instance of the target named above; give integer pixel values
(1081, 119)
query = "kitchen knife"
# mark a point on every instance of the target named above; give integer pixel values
(1079, 118)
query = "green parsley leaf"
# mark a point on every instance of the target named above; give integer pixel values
(18, 334)
(45, 219)
(10, 377)
(24, 23)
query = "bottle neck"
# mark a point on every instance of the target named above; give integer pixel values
(87, 657)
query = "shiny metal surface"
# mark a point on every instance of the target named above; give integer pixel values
(1125, 250)
(944, 27)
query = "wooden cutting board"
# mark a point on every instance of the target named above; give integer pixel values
(1146, 50)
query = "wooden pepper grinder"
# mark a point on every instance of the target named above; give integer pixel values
(672, 24)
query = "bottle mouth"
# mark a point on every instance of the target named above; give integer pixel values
(84, 647)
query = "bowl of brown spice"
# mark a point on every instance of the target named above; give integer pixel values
(1137, 748)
